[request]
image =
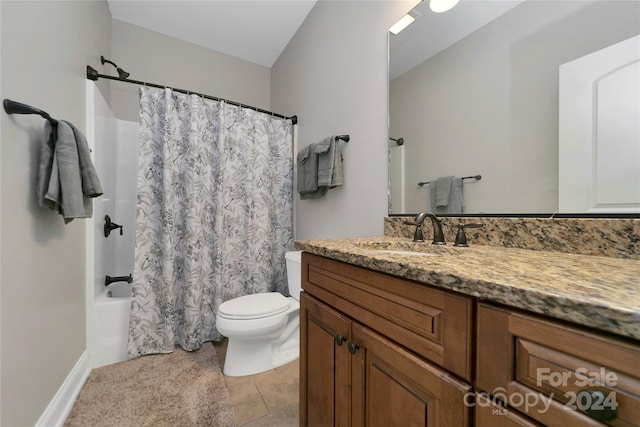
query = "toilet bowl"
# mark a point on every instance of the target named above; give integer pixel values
(263, 329)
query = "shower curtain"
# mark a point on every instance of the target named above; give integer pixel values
(214, 215)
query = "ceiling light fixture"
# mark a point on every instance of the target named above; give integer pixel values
(403, 23)
(439, 6)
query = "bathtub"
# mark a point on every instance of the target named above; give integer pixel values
(112, 309)
(119, 290)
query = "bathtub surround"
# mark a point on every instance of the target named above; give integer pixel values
(181, 388)
(617, 238)
(114, 142)
(214, 216)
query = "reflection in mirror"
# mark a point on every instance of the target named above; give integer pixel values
(476, 91)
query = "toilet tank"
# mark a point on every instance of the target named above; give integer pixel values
(294, 276)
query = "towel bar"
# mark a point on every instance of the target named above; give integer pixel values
(476, 177)
(344, 138)
(13, 107)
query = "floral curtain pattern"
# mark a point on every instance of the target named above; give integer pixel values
(213, 219)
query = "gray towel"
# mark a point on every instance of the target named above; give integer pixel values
(319, 168)
(329, 163)
(307, 162)
(90, 182)
(454, 197)
(442, 189)
(66, 176)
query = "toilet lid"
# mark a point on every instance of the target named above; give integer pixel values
(254, 306)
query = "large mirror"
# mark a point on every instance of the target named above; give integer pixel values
(489, 91)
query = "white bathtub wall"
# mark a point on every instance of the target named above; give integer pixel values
(126, 178)
(115, 153)
(99, 258)
(104, 134)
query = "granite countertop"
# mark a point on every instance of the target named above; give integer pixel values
(594, 291)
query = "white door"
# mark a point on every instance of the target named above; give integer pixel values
(599, 131)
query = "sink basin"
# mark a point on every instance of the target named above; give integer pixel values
(406, 248)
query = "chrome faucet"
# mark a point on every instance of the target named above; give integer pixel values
(438, 237)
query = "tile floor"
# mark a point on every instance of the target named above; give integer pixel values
(266, 399)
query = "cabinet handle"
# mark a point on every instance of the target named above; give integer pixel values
(353, 348)
(339, 339)
(597, 405)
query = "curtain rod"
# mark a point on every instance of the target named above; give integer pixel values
(92, 74)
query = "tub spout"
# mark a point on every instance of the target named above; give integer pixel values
(109, 280)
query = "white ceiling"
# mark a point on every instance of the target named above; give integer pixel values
(259, 30)
(433, 32)
(256, 31)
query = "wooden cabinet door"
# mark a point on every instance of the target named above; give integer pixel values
(324, 365)
(393, 387)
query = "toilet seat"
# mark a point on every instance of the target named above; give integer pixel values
(256, 306)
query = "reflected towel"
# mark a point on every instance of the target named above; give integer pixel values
(442, 189)
(454, 197)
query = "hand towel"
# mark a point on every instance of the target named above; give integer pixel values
(46, 169)
(442, 188)
(329, 163)
(66, 176)
(319, 168)
(455, 202)
(307, 162)
(91, 186)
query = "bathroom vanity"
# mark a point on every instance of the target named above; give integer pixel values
(397, 333)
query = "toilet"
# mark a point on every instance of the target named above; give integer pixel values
(263, 329)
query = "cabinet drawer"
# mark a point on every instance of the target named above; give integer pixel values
(431, 322)
(557, 374)
(490, 414)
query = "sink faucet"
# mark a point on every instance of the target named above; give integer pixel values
(438, 237)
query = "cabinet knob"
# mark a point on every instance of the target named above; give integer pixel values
(339, 339)
(597, 405)
(353, 348)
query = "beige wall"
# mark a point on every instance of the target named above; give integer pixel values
(45, 49)
(489, 104)
(160, 59)
(333, 75)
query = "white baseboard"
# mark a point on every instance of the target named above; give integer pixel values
(58, 409)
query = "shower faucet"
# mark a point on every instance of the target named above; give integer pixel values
(110, 226)
(109, 279)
